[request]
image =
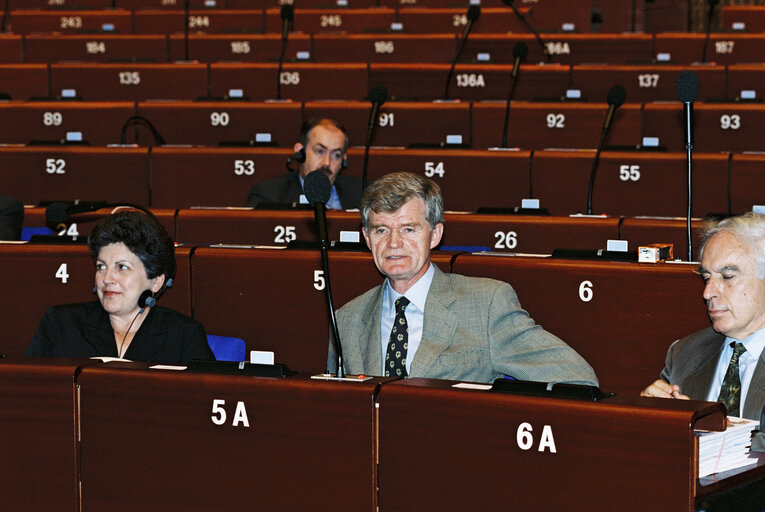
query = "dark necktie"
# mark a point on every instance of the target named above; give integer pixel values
(730, 391)
(398, 342)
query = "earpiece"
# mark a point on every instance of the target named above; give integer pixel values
(95, 288)
(147, 300)
(297, 156)
(344, 165)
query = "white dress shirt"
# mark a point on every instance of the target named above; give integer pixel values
(415, 314)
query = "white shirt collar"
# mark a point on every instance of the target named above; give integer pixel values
(417, 293)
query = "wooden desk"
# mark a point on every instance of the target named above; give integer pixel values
(447, 449)
(151, 441)
(38, 428)
(49, 173)
(259, 227)
(630, 183)
(528, 233)
(621, 317)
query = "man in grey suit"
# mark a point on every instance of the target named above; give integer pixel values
(725, 362)
(422, 322)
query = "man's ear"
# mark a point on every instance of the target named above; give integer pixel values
(436, 234)
(366, 237)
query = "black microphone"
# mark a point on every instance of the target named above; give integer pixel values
(710, 16)
(511, 4)
(520, 51)
(615, 98)
(378, 95)
(317, 190)
(60, 212)
(688, 87)
(473, 13)
(288, 15)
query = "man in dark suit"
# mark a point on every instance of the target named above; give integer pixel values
(422, 322)
(322, 145)
(725, 362)
(11, 218)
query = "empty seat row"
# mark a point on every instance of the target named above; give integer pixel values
(351, 81)
(644, 49)
(545, 15)
(626, 183)
(506, 233)
(729, 127)
(257, 21)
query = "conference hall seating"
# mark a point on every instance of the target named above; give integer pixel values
(229, 113)
(24, 81)
(95, 48)
(49, 173)
(630, 183)
(129, 82)
(219, 122)
(541, 125)
(94, 123)
(243, 47)
(743, 18)
(469, 82)
(298, 81)
(645, 83)
(11, 49)
(627, 183)
(28, 21)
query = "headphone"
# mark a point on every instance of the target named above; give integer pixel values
(147, 298)
(299, 156)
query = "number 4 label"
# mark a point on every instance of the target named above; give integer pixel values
(62, 273)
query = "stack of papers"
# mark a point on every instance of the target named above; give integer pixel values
(729, 449)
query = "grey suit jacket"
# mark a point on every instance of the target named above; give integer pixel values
(474, 330)
(691, 364)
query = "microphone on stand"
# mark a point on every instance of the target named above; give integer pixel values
(317, 190)
(473, 13)
(616, 96)
(520, 51)
(378, 95)
(186, 30)
(511, 4)
(6, 12)
(687, 87)
(288, 15)
(710, 17)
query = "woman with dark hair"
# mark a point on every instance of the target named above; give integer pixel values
(135, 263)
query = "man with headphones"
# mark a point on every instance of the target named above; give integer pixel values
(322, 145)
